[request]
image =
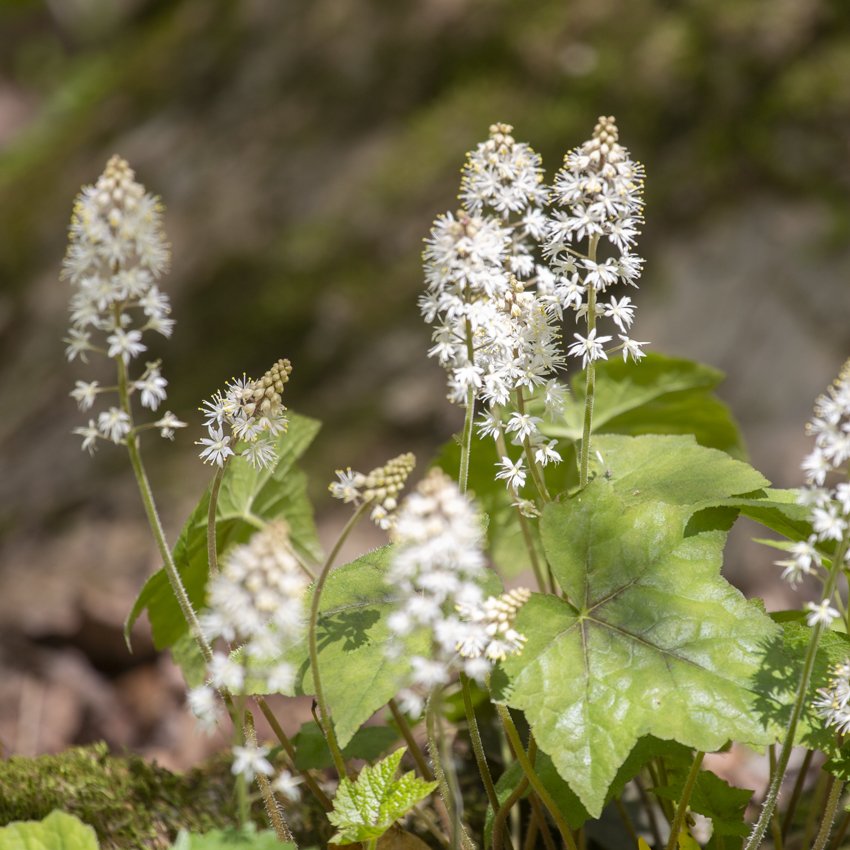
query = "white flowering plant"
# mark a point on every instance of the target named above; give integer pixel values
(576, 711)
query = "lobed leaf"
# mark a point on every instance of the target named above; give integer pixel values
(651, 640)
(366, 808)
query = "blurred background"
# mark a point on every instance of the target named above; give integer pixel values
(302, 149)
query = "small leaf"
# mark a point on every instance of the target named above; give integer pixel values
(58, 831)
(686, 842)
(230, 839)
(366, 808)
(248, 499)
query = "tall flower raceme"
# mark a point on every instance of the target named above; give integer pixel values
(827, 496)
(246, 419)
(255, 603)
(380, 488)
(599, 190)
(437, 569)
(117, 252)
(494, 334)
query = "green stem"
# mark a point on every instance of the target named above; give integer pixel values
(412, 745)
(212, 548)
(171, 571)
(501, 816)
(843, 826)
(327, 723)
(477, 745)
(829, 813)
(272, 808)
(540, 817)
(770, 801)
(445, 782)
(289, 749)
(466, 441)
(590, 385)
(534, 467)
(533, 778)
(682, 808)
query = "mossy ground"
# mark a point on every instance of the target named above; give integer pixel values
(129, 802)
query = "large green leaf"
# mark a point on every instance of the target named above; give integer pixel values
(653, 641)
(659, 395)
(58, 831)
(311, 749)
(359, 675)
(248, 499)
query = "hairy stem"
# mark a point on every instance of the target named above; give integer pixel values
(446, 780)
(326, 722)
(533, 778)
(477, 745)
(761, 825)
(289, 749)
(829, 812)
(412, 745)
(171, 571)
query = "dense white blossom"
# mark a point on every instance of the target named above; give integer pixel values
(117, 251)
(598, 198)
(489, 296)
(256, 602)
(436, 571)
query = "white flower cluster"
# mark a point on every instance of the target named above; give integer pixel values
(252, 760)
(380, 487)
(500, 274)
(600, 191)
(256, 602)
(826, 497)
(828, 502)
(436, 569)
(833, 702)
(489, 626)
(116, 253)
(253, 413)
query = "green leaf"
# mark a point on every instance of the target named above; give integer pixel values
(248, 499)
(311, 749)
(659, 395)
(358, 675)
(712, 797)
(219, 839)
(568, 803)
(653, 641)
(58, 831)
(366, 808)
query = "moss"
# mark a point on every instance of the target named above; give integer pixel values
(128, 801)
